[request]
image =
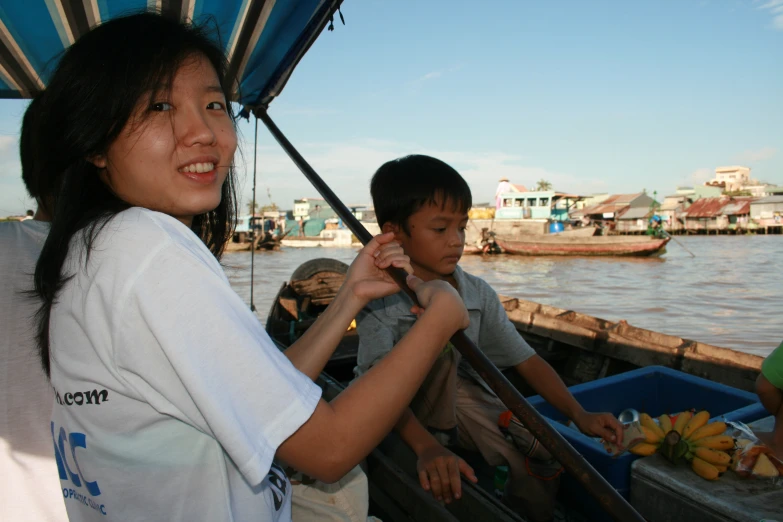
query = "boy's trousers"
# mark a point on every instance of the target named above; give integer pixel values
(448, 401)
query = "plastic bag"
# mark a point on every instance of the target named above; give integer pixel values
(752, 458)
(632, 435)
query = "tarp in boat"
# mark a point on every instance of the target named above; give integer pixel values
(263, 39)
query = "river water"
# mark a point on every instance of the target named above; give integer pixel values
(730, 294)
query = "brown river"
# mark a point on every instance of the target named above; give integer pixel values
(730, 294)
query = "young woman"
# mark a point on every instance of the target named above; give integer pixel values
(171, 400)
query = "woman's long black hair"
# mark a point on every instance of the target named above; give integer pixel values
(90, 98)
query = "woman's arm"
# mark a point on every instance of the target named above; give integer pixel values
(340, 434)
(310, 353)
(366, 280)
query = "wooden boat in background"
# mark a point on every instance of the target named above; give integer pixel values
(568, 245)
(489, 245)
(263, 241)
(587, 231)
(470, 250)
(581, 348)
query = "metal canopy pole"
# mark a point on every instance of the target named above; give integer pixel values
(575, 463)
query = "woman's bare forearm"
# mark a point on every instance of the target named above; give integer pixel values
(341, 433)
(310, 353)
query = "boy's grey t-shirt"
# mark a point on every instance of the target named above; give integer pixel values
(383, 322)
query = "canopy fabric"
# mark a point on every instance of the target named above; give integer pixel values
(263, 39)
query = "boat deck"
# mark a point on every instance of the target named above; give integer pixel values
(581, 348)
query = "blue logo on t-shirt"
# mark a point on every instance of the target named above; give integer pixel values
(76, 476)
(279, 483)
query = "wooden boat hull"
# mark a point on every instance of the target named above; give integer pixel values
(578, 232)
(579, 347)
(268, 245)
(471, 250)
(475, 250)
(557, 245)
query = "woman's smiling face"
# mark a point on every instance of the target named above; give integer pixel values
(175, 152)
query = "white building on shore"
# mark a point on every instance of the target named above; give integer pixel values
(733, 177)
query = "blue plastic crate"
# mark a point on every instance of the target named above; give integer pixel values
(654, 390)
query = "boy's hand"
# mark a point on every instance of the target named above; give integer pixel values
(603, 425)
(367, 277)
(439, 472)
(440, 297)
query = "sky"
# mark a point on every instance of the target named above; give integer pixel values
(600, 96)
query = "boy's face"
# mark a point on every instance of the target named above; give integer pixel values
(435, 241)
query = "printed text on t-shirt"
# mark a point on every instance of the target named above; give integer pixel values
(79, 398)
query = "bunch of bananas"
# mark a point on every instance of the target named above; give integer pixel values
(689, 437)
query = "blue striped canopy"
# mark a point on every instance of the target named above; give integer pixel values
(263, 39)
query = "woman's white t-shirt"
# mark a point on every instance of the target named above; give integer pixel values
(171, 399)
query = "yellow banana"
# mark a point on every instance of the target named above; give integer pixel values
(714, 457)
(721, 469)
(643, 448)
(666, 423)
(698, 420)
(651, 436)
(708, 430)
(716, 442)
(682, 419)
(647, 422)
(704, 469)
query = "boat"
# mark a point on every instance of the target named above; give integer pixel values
(580, 347)
(308, 241)
(569, 245)
(487, 243)
(488, 248)
(35, 34)
(266, 241)
(470, 250)
(587, 231)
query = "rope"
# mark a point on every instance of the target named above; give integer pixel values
(252, 221)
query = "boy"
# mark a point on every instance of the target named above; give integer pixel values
(769, 387)
(425, 202)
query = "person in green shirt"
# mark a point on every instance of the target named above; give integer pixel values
(655, 227)
(769, 387)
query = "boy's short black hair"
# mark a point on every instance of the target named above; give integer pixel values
(402, 186)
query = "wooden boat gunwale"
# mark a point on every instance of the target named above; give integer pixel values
(638, 346)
